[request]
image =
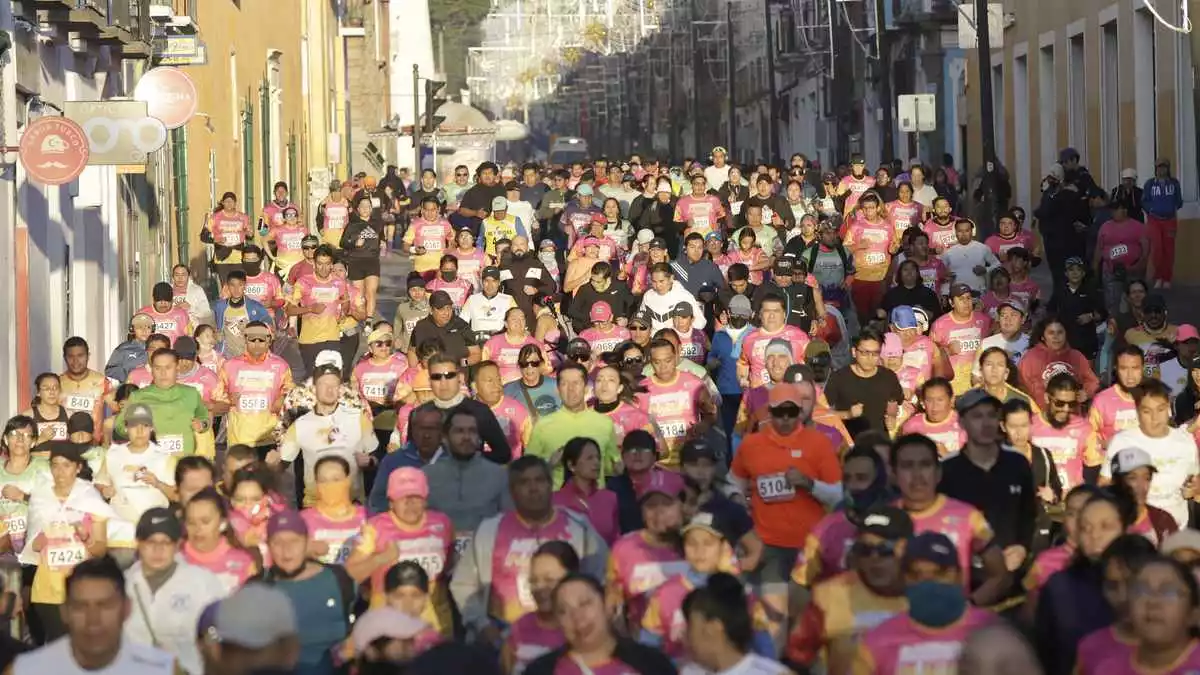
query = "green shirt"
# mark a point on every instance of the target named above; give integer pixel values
(174, 410)
(14, 513)
(552, 432)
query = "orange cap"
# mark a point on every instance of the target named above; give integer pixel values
(784, 392)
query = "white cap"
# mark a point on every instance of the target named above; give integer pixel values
(1128, 173)
(328, 357)
(665, 186)
(645, 236)
(1057, 171)
(1130, 459)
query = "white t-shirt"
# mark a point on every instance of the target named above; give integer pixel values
(1174, 458)
(486, 315)
(751, 664)
(961, 260)
(121, 468)
(716, 177)
(132, 659)
(1174, 375)
(1015, 348)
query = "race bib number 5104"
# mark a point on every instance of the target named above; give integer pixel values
(775, 488)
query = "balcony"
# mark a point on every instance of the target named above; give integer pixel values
(176, 16)
(88, 18)
(924, 13)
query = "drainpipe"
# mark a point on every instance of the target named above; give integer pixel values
(179, 169)
(248, 157)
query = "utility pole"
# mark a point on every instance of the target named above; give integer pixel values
(695, 79)
(729, 65)
(416, 125)
(772, 121)
(987, 120)
(883, 63)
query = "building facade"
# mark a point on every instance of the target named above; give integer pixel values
(1102, 77)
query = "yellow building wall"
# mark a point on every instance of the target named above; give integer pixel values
(240, 35)
(1033, 21)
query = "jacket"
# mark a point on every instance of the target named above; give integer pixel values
(698, 277)
(640, 658)
(1162, 197)
(167, 618)
(618, 296)
(467, 492)
(128, 356)
(726, 347)
(407, 456)
(798, 302)
(1039, 364)
(255, 311)
(199, 309)
(660, 307)
(361, 239)
(471, 582)
(1070, 304)
(526, 270)
(1070, 606)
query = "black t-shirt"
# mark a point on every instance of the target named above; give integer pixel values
(735, 520)
(453, 336)
(1004, 493)
(846, 388)
(479, 197)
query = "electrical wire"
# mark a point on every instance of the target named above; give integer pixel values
(1184, 27)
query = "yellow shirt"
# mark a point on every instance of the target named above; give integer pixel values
(321, 326)
(86, 395)
(255, 391)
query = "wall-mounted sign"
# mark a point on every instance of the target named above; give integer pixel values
(170, 95)
(118, 132)
(54, 150)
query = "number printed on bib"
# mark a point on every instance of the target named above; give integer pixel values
(15, 525)
(231, 238)
(172, 445)
(252, 404)
(673, 429)
(375, 391)
(79, 402)
(66, 556)
(775, 488)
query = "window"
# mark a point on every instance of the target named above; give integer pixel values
(998, 112)
(1185, 163)
(235, 113)
(273, 164)
(1110, 122)
(1047, 108)
(1020, 96)
(1145, 91)
(1076, 93)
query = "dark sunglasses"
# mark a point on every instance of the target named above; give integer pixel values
(442, 376)
(579, 358)
(382, 343)
(530, 364)
(257, 339)
(786, 410)
(884, 549)
(307, 247)
(634, 361)
(634, 326)
(1061, 404)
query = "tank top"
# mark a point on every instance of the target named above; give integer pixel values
(57, 424)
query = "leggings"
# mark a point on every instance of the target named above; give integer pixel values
(309, 352)
(1162, 246)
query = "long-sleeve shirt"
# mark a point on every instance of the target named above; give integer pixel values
(1162, 197)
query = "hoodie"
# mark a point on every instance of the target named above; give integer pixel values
(660, 306)
(1040, 363)
(699, 276)
(124, 359)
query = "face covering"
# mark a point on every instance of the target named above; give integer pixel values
(547, 258)
(738, 322)
(935, 604)
(334, 495)
(449, 276)
(257, 513)
(520, 255)
(252, 268)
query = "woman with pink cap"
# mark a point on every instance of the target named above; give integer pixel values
(408, 530)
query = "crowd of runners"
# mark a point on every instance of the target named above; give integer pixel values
(628, 417)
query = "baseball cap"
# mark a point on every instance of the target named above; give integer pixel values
(1128, 173)
(415, 280)
(1128, 459)
(255, 616)
(289, 521)
(80, 421)
(310, 239)
(1067, 154)
(706, 521)
(645, 236)
(903, 317)
(440, 300)
(370, 181)
(601, 311)
(384, 622)
(142, 319)
(139, 413)
(584, 190)
(379, 335)
(491, 272)
(799, 372)
(713, 236)
(778, 346)
(891, 347)
(658, 242)
(783, 393)
(739, 305)
(1162, 161)
(695, 450)
(933, 547)
(783, 268)
(721, 149)
(1075, 261)
(886, 521)
(1154, 303)
(1016, 303)
(974, 397)
(186, 347)
(1185, 332)
(816, 348)
(328, 357)
(159, 520)
(643, 317)
(1186, 539)
(499, 204)
(957, 290)
(683, 309)
(407, 482)
(1056, 171)
(578, 347)
(857, 159)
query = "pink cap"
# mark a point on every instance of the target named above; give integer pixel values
(407, 482)
(601, 311)
(1185, 332)
(891, 346)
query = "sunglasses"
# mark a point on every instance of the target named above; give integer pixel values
(257, 338)
(785, 411)
(308, 248)
(579, 358)
(530, 364)
(633, 362)
(633, 326)
(884, 549)
(640, 451)
(1061, 404)
(382, 343)
(436, 377)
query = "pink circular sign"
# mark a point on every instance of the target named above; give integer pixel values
(54, 150)
(170, 96)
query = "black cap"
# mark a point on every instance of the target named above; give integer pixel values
(1154, 303)
(415, 280)
(159, 520)
(67, 450)
(491, 272)
(186, 347)
(578, 347)
(440, 300)
(857, 159)
(683, 309)
(975, 397)
(959, 289)
(783, 268)
(799, 372)
(658, 242)
(643, 317)
(79, 422)
(886, 521)
(696, 450)
(933, 547)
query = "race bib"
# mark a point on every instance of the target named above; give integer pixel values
(252, 403)
(291, 241)
(1118, 251)
(231, 238)
(767, 214)
(432, 245)
(775, 488)
(375, 202)
(335, 222)
(968, 345)
(375, 391)
(171, 445)
(735, 208)
(66, 556)
(166, 326)
(79, 402)
(672, 429)
(256, 290)
(15, 525)
(875, 258)
(701, 222)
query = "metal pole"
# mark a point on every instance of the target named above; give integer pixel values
(729, 66)
(695, 80)
(416, 125)
(987, 125)
(883, 62)
(772, 121)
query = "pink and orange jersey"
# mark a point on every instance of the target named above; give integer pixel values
(505, 353)
(173, 323)
(675, 408)
(470, 265)
(266, 289)
(901, 646)
(233, 566)
(904, 216)
(964, 524)
(1026, 289)
(754, 350)
(664, 619)
(700, 213)
(627, 417)
(826, 550)
(458, 290)
(1099, 647)
(941, 237)
(231, 230)
(1073, 447)
(379, 382)
(511, 596)
(255, 390)
(604, 341)
(1112, 410)
(311, 290)
(1001, 246)
(854, 189)
(1046, 564)
(872, 245)
(948, 434)
(335, 217)
(694, 346)
(430, 545)
(917, 366)
(967, 335)
(516, 423)
(934, 274)
(637, 566)
(340, 535)
(529, 639)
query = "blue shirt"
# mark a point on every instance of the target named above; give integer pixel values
(1162, 198)
(544, 396)
(725, 351)
(377, 501)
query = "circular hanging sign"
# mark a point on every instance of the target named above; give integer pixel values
(54, 150)
(170, 95)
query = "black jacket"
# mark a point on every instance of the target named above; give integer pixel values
(798, 301)
(618, 296)
(1070, 304)
(1057, 214)
(922, 296)
(369, 232)
(490, 431)
(527, 271)
(640, 658)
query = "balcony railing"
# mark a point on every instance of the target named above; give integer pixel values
(182, 14)
(922, 11)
